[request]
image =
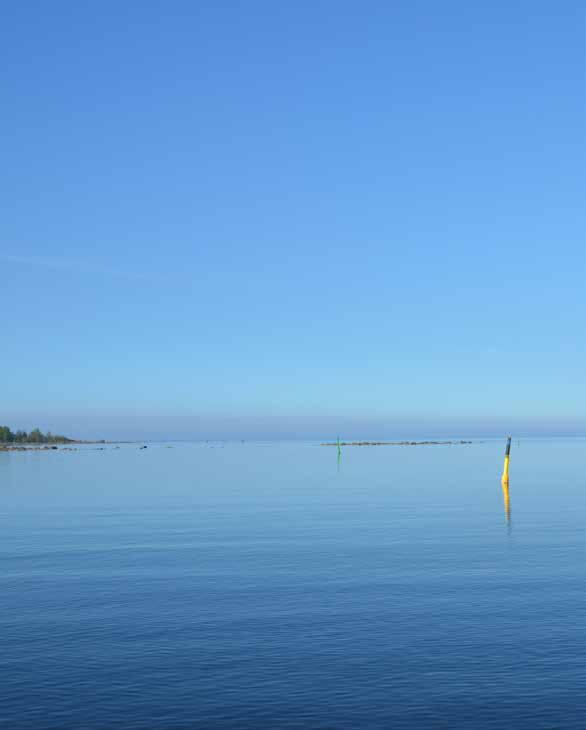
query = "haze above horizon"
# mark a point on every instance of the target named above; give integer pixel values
(293, 221)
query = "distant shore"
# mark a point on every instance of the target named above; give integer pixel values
(394, 443)
(21, 440)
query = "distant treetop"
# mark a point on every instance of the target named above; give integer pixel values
(35, 436)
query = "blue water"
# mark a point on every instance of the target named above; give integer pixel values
(266, 586)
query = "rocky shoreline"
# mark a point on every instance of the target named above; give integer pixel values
(98, 446)
(7, 447)
(65, 446)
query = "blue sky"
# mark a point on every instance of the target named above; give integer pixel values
(268, 219)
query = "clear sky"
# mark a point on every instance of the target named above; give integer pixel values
(293, 219)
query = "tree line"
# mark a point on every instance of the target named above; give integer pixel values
(36, 436)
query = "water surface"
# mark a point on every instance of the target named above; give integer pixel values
(266, 586)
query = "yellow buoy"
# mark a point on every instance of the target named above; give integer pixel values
(506, 501)
(505, 476)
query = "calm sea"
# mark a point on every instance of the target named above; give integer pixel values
(269, 586)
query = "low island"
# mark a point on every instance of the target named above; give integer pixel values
(34, 440)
